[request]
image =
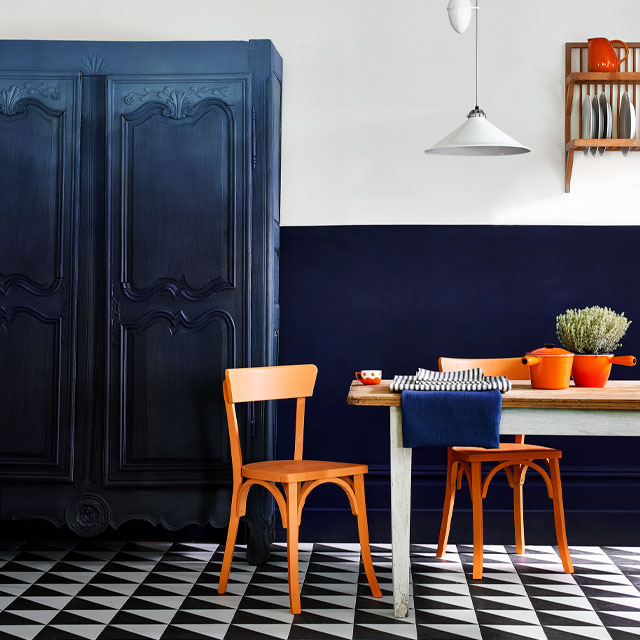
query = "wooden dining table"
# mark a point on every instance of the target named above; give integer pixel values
(613, 410)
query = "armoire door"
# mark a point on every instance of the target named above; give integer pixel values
(178, 163)
(39, 162)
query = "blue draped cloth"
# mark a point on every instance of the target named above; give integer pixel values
(451, 418)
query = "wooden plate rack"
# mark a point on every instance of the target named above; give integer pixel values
(627, 78)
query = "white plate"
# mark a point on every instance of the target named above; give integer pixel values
(605, 109)
(627, 120)
(587, 120)
(597, 122)
(632, 113)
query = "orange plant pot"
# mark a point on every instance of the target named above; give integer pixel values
(593, 371)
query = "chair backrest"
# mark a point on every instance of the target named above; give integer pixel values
(511, 368)
(271, 383)
(266, 383)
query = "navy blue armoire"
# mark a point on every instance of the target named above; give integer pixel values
(139, 238)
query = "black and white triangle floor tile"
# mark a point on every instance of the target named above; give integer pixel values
(99, 590)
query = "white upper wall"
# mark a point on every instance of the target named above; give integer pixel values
(370, 83)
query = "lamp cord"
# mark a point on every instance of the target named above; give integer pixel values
(477, 15)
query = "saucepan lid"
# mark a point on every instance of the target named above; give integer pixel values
(550, 349)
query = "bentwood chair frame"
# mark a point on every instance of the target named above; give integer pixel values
(515, 458)
(298, 477)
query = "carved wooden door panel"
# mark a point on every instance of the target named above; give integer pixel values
(178, 166)
(39, 160)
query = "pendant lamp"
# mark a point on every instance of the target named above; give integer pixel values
(476, 136)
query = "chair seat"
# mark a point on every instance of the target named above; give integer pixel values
(507, 450)
(300, 470)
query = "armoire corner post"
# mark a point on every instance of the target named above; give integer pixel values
(139, 239)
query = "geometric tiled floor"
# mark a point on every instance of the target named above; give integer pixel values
(162, 590)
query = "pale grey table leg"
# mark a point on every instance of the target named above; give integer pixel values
(400, 515)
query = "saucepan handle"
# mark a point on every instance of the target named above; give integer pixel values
(627, 361)
(529, 361)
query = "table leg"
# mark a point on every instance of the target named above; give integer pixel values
(400, 514)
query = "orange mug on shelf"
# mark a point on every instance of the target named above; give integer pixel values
(602, 56)
(369, 376)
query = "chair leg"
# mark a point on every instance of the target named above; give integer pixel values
(558, 514)
(291, 491)
(447, 509)
(363, 532)
(476, 499)
(518, 516)
(229, 546)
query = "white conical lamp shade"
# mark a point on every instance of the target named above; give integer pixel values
(478, 137)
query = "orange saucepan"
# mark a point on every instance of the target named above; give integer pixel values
(549, 367)
(593, 371)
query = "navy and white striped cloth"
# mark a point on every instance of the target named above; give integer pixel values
(456, 376)
(467, 380)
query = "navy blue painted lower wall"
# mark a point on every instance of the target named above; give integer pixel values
(396, 298)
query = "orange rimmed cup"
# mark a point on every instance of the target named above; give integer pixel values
(369, 376)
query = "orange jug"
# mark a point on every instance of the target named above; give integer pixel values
(602, 56)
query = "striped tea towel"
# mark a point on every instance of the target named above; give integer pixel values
(466, 374)
(468, 380)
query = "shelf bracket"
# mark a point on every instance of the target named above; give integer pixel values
(568, 170)
(569, 97)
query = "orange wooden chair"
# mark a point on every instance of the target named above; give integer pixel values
(298, 477)
(514, 457)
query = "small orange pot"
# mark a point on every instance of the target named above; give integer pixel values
(549, 367)
(594, 370)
